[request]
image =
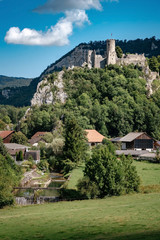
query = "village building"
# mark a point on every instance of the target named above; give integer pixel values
(137, 144)
(137, 141)
(94, 137)
(36, 138)
(6, 136)
(14, 149)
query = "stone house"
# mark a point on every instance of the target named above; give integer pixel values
(14, 148)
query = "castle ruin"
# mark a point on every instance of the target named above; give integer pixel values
(97, 60)
(82, 56)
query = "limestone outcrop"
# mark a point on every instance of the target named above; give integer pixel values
(45, 93)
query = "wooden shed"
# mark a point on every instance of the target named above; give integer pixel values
(137, 141)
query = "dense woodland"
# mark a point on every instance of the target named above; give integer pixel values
(113, 101)
(13, 82)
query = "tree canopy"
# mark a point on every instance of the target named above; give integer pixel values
(10, 175)
(110, 175)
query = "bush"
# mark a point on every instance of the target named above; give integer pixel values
(43, 165)
(110, 175)
(88, 188)
(10, 175)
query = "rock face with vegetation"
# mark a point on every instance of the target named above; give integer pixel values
(114, 101)
(91, 54)
(50, 90)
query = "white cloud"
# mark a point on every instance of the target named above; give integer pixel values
(57, 35)
(65, 5)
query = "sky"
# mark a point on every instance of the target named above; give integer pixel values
(36, 33)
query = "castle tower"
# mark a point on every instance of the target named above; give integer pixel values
(111, 52)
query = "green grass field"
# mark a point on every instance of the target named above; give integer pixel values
(129, 217)
(148, 172)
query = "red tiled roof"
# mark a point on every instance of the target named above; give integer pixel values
(37, 134)
(94, 136)
(4, 134)
(35, 140)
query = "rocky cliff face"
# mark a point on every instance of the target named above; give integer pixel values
(48, 93)
(80, 56)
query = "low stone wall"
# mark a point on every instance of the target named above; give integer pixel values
(23, 201)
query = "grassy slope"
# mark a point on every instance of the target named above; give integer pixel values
(125, 218)
(75, 176)
(149, 173)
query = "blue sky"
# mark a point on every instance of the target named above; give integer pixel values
(36, 33)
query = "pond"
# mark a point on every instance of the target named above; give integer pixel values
(57, 181)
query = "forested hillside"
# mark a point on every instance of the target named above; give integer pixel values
(21, 96)
(13, 82)
(113, 101)
(149, 46)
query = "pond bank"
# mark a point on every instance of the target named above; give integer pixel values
(36, 189)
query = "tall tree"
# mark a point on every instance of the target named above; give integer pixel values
(75, 141)
(153, 64)
(119, 52)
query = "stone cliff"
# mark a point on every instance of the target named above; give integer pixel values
(48, 93)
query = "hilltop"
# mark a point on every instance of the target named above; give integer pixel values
(21, 96)
(11, 82)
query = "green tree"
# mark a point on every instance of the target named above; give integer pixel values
(2, 125)
(19, 137)
(75, 141)
(153, 64)
(112, 176)
(119, 52)
(10, 175)
(19, 156)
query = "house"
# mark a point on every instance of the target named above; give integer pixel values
(94, 137)
(137, 141)
(36, 138)
(6, 136)
(35, 154)
(14, 148)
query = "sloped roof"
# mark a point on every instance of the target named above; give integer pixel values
(37, 134)
(94, 136)
(14, 146)
(35, 140)
(117, 139)
(4, 134)
(131, 136)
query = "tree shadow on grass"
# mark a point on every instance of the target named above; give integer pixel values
(71, 195)
(145, 235)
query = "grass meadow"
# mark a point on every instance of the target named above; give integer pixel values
(129, 217)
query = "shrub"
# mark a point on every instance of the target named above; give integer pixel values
(110, 175)
(88, 188)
